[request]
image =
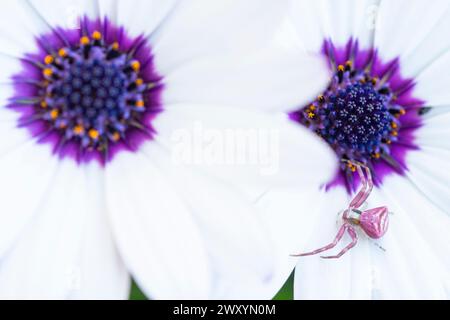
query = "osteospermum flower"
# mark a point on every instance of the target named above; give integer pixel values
(92, 93)
(386, 107)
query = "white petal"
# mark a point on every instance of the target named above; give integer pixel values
(340, 21)
(348, 19)
(64, 14)
(138, 16)
(435, 131)
(416, 31)
(244, 148)
(274, 78)
(201, 28)
(242, 256)
(316, 278)
(156, 235)
(416, 263)
(66, 250)
(289, 214)
(19, 24)
(102, 269)
(429, 39)
(432, 84)
(305, 16)
(428, 170)
(12, 135)
(27, 173)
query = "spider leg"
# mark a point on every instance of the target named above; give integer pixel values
(327, 247)
(366, 189)
(351, 231)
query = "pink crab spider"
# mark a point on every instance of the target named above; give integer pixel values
(374, 222)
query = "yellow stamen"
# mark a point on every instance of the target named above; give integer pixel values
(96, 35)
(48, 72)
(402, 112)
(135, 65)
(140, 104)
(139, 82)
(377, 155)
(62, 53)
(78, 130)
(394, 133)
(94, 134)
(312, 107)
(116, 136)
(84, 40)
(394, 125)
(44, 104)
(348, 63)
(310, 115)
(341, 68)
(321, 98)
(49, 59)
(54, 114)
(115, 46)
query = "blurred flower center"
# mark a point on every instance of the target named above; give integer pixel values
(93, 93)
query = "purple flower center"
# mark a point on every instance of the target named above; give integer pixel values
(95, 92)
(356, 115)
(366, 114)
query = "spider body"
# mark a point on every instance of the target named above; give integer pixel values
(374, 222)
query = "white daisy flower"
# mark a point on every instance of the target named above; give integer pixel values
(386, 110)
(93, 94)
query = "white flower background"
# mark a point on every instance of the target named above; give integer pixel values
(217, 231)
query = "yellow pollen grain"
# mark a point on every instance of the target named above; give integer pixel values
(376, 155)
(78, 130)
(48, 72)
(54, 114)
(84, 40)
(140, 104)
(139, 82)
(116, 136)
(44, 104)
(94, 134)
(311, 115)
(96, 35)
(351, 166)
(62, 53)
(135, 65)
(341, 67)
(49, 59)
(312, 107)
(394, 125)
(115, 46)
(394, 133)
